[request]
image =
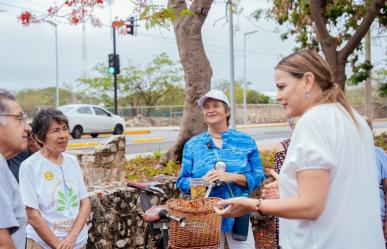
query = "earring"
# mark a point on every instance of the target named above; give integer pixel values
(307, 94)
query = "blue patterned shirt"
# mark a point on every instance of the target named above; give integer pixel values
(240, 154)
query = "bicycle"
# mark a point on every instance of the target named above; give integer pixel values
(156, 217)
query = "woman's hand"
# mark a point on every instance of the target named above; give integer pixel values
(217, 175)
(271, 190)
(237, 207)
(68, 242)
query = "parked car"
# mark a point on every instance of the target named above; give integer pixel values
(92, 119)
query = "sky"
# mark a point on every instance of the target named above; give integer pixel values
(28, 53)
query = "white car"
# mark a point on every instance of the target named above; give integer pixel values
(92, 119)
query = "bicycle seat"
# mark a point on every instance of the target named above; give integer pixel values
(152, 214)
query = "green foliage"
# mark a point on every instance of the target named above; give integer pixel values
(252, 96)
(381, 141)
(267, 159)
(360, 73)
(158, 16)
(341, 17)
(144, 167)
(137, 86)
(33, 99)
(381, 79)
(157, 154)
(383, 90)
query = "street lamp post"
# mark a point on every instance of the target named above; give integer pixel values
(232, 78)
(56, 63)
(244, 76)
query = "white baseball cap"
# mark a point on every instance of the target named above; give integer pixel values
(214, 94)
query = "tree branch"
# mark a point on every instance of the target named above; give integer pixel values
(317, 8)
(364, 26)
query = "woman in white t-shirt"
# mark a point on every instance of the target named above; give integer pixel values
(53, 189)
(328, 188)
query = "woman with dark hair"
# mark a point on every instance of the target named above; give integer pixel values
(328, 189)
(235, 152)
(53, 189)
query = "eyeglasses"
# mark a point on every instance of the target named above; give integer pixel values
(20, 117)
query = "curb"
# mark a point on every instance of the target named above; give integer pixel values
(93, 144)
(148, 140)
(79, 145)
(136, 132)
(127, 132)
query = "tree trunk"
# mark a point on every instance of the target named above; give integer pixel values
(336, 62)
(197, 70)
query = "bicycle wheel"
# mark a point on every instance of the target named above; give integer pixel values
(149, 242)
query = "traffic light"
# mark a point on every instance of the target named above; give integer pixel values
(130, 26)
(114, 64)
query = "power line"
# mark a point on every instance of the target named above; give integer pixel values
(22, 8)
(36, 3)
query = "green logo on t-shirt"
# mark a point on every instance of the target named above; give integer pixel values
(67, 200)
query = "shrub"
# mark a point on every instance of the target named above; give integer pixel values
(143, 167)
(381, 141)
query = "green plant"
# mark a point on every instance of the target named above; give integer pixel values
(267, 158)
(143, 167)
(381, 141)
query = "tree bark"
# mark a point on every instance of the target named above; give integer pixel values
(197, 70)
(338, 59)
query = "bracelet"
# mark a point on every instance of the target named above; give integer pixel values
(257, 207)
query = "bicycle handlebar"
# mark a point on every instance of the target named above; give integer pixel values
(165, 215)
(151, 187)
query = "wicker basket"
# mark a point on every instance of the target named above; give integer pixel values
(203, 229)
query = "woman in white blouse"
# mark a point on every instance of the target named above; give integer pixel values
(327, 195)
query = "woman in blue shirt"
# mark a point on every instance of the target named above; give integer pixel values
(237, 150)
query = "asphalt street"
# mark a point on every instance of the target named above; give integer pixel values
(163, 138)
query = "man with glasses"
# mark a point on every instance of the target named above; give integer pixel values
(32, 147)
(13, 139)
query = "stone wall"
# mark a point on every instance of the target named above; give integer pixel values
(105, 163)
(115, 220)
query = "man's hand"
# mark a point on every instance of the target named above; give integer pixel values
(237, 207)
(68, 242)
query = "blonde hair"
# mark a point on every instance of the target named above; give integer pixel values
(307, 60)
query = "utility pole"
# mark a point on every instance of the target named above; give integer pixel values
(115, 72)
(56, 63)
(232, 78)
(244, 76)
(368, 83)
(84, 51)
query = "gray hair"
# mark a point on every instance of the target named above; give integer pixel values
(227, 108)
(43, 119)
(4, 96)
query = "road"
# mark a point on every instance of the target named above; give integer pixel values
(165, 137)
